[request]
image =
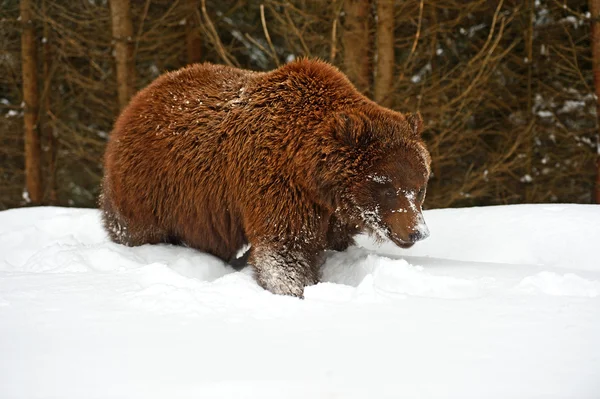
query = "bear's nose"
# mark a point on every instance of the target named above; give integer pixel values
(418, 235)
(421, 231)
(414, 237)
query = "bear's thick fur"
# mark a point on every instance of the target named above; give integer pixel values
(293, 161)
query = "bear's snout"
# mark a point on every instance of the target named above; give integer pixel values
(406, 230)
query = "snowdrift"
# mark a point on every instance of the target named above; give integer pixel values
(499, 302)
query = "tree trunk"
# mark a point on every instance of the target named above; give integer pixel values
(33, 174)
(122, 31)
(355, 39)
(192, 34)
(529, 17)
(47, 125)
(595, 10)
(385, 53)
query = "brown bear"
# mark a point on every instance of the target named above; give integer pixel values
(294, 162)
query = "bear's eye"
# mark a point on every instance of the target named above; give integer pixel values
(389, 193)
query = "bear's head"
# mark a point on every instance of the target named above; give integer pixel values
(392, 168)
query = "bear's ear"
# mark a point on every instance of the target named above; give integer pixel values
(415, 123)
(352, 130)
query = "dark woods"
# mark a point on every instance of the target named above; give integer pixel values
(506, 88)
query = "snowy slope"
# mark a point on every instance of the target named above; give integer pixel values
(500, 302)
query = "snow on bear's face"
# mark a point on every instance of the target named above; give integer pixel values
(391, 197)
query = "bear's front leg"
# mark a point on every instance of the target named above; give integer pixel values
(340, 235)
(283, 269)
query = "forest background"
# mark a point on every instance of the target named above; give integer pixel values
(506, 88)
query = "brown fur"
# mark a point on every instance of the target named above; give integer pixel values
(215, 157)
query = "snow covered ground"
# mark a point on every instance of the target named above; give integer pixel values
(500, 302)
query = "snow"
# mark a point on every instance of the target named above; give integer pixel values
(379, 179)
(498, 302)
(571, 19)
(526, 178)
(571, 105)
(25, 196)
